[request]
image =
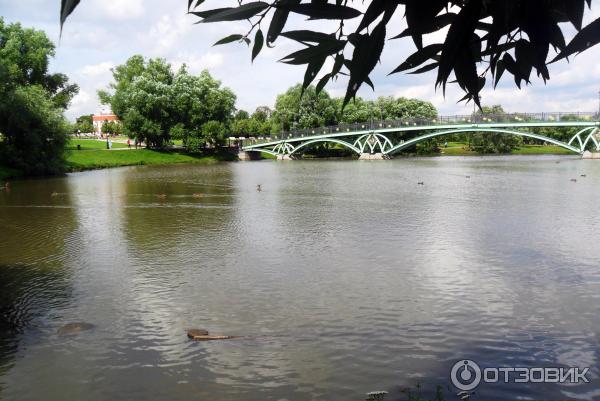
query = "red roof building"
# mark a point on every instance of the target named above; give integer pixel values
(99, 119)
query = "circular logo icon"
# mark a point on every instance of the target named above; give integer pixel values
(465, 375)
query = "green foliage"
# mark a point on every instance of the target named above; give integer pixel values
(31, 102)
(84, 124)
(496, 109)
(112, 128)
(35, 132)
(214, 132)
(241, 115)
(565, 134)
(358, 111)
(490, 143)
(7, 172)
(295, 109)
(157, 105)
(262, 113)
(495, 143)
(385, 108)
(259, 124)
(250, 127)
(429, 146)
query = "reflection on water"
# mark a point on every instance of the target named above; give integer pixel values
(36, 240)
(344, 277)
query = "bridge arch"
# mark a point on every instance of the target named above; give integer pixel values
(430, 135)
(373, 143)
(583, 144)
(323, 140)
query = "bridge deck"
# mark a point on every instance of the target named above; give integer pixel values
(506, 124)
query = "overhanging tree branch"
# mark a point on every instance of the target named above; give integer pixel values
(496, 37)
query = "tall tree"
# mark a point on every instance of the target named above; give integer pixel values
(262, 113)
(156, 104)
(32, 102)
(303, 108)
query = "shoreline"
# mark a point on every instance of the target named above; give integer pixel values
(88, 160)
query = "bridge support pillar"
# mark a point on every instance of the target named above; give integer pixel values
(591, 155)
(374, 156)
(247, 156)
(286, 157)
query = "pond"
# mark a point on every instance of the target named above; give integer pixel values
(343, 277)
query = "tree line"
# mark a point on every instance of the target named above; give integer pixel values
(157, 106)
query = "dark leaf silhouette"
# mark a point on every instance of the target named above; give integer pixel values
(66, 8)
(242, 12)
(586, 38)
(259, 41)
(485, 38)
(229, 39)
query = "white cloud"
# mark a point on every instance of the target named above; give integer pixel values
(97, 70)
(118, 9)
(195, 64)
(82, 103)
(167, 33)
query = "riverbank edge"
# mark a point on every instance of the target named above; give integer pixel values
(190, 158)
(154, 158)
(111, 160)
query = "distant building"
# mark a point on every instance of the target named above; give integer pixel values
(99, 119)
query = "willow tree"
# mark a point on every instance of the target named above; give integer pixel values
(485, 39)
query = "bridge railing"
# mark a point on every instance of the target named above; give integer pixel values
(476, 118)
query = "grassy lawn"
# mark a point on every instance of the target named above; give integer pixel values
(541, 150)
(94, 159)
(461, 149)
(92, 144)
(457, 149)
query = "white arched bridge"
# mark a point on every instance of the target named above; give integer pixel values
(384, 139)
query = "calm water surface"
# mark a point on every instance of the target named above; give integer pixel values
(344, 276)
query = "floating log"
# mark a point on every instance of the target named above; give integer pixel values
(74, 328)
(203, 335)
(209, 338)
(197, 332)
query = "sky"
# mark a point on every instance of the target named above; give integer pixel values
(102, 34)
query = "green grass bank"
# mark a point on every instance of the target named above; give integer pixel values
(462, 149)
(79, 160)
